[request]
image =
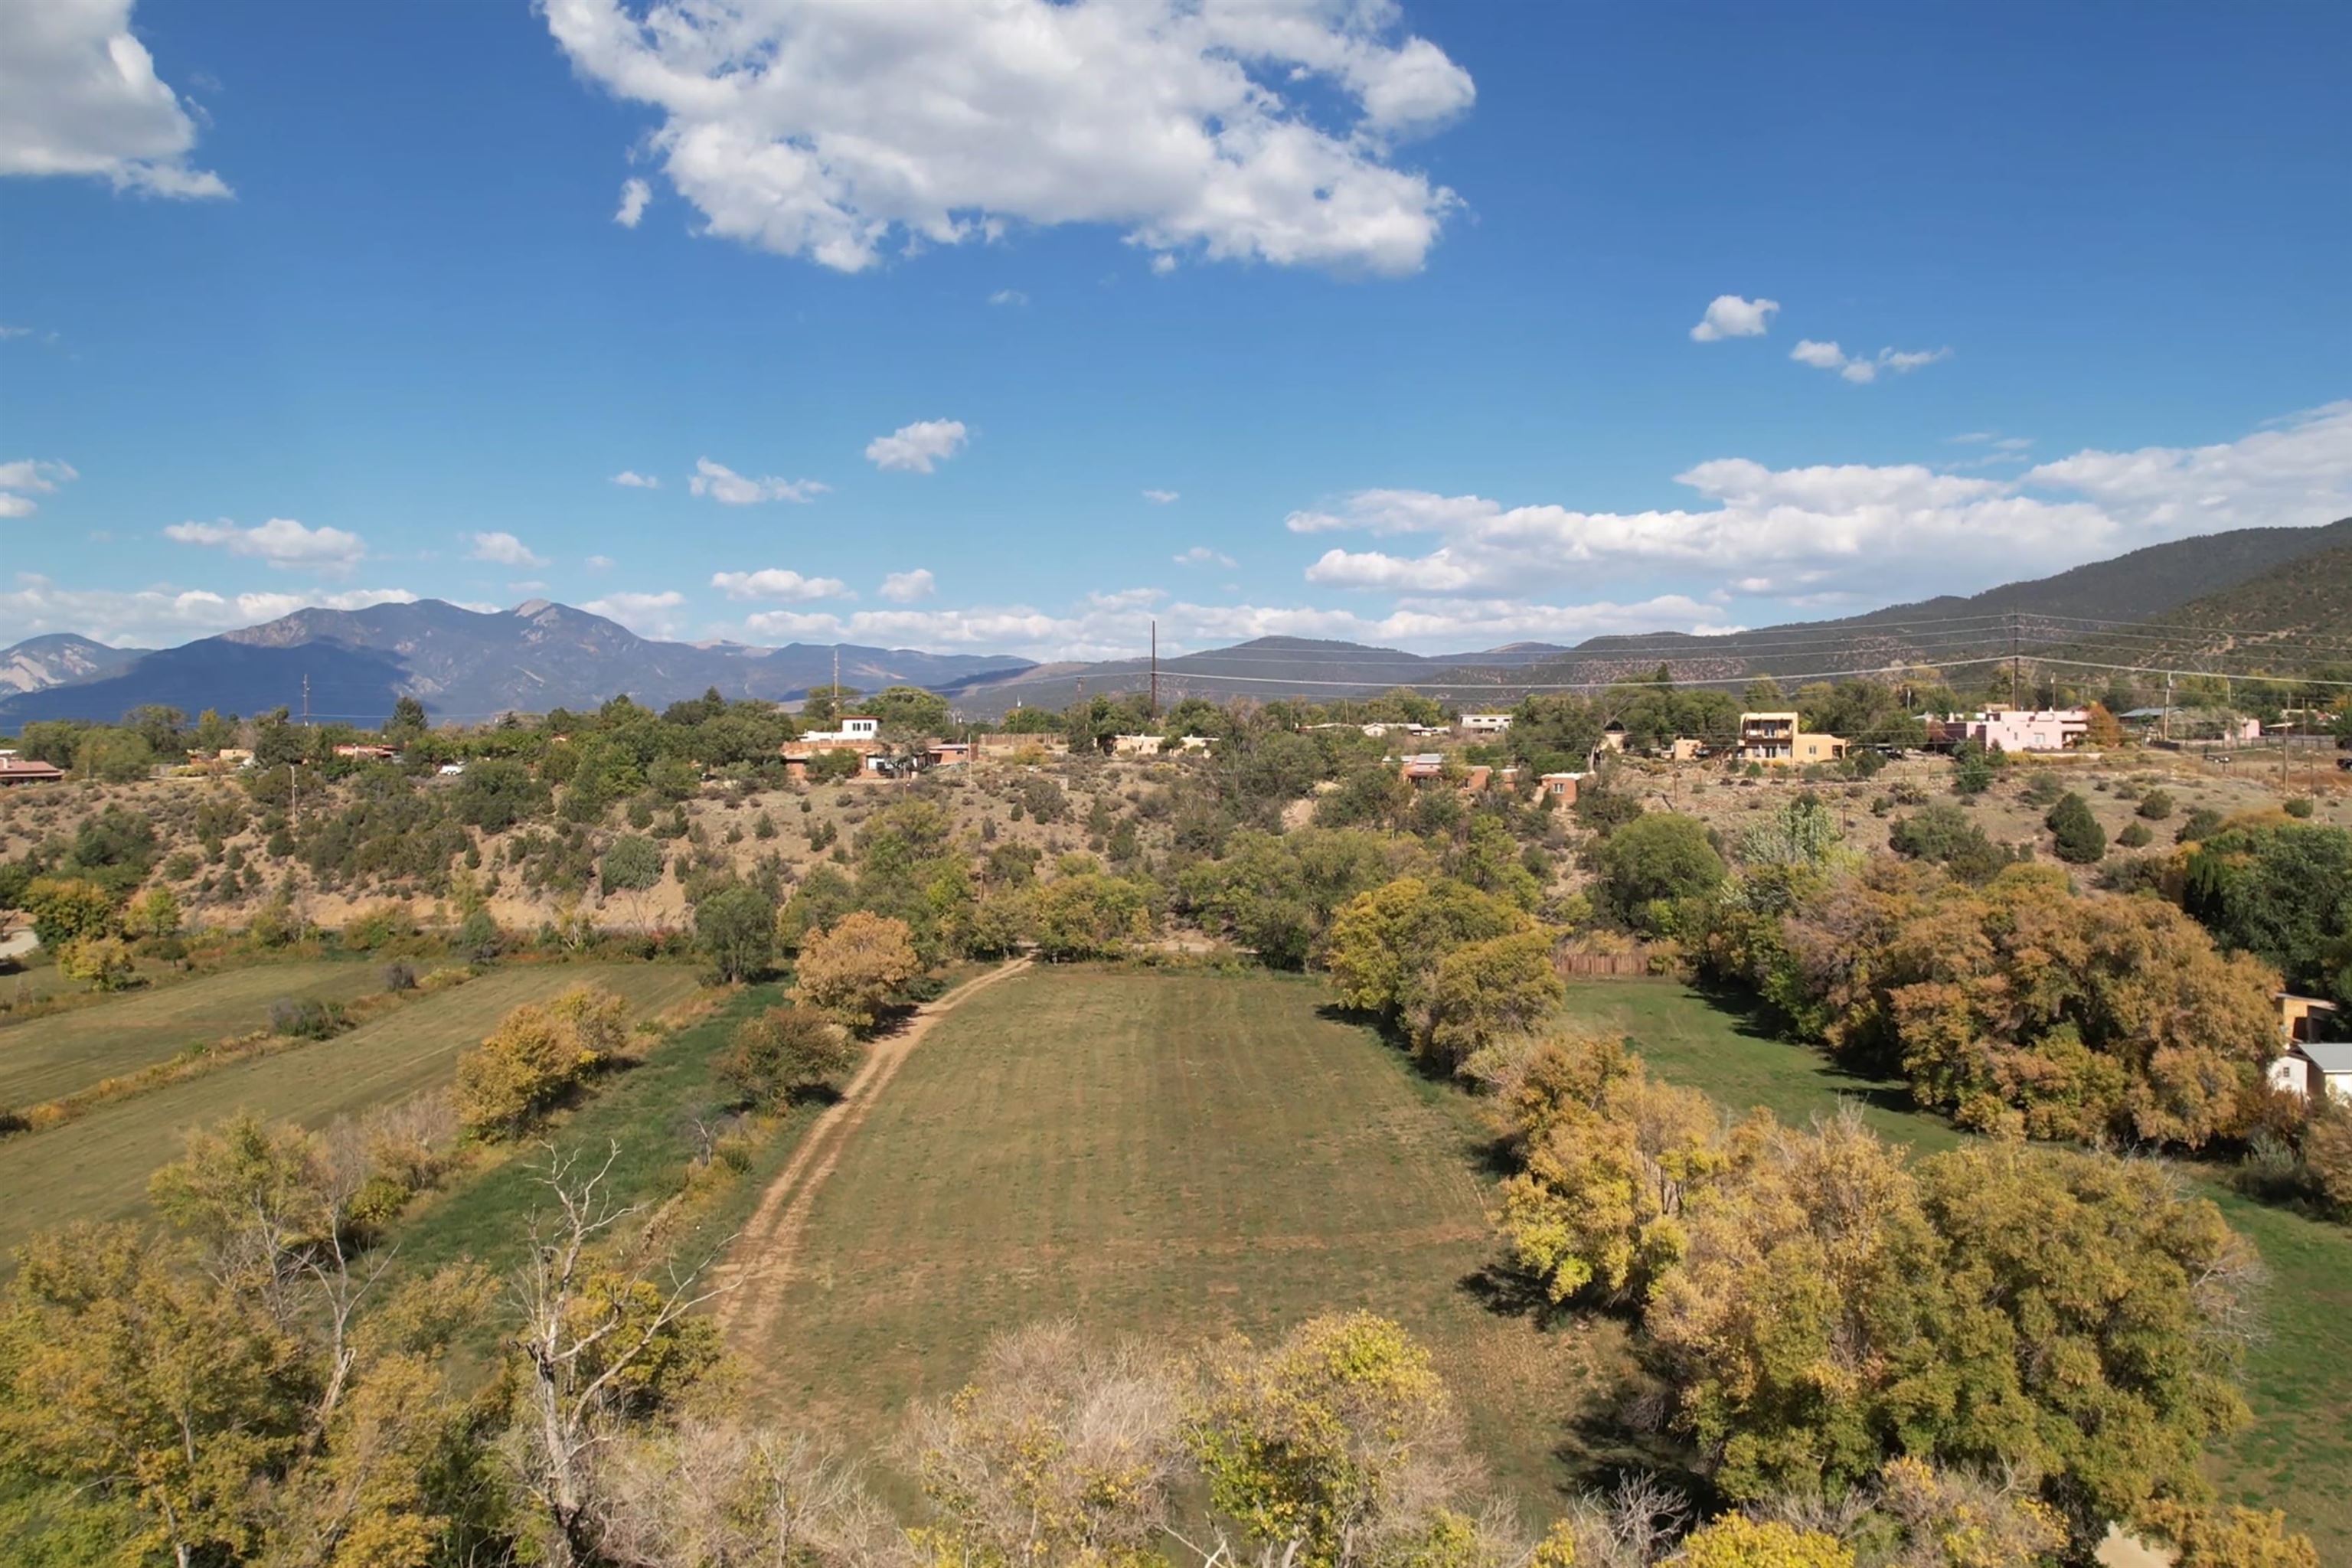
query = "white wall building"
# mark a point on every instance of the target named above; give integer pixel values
(1486, 723)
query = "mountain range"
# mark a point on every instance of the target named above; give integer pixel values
(2258, 594)
(461, 664)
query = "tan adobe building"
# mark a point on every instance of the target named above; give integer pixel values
(1776, 739)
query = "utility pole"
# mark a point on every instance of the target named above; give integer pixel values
(2166, 717)
(1155, 667)
(306, 699)
(2012, 659)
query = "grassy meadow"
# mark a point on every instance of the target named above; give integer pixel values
(96, 1167)
(1171, 1155)
(44, 1059)
(2298, 1453)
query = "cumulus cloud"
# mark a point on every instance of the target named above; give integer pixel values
(842, 131)
(647, 614)
(635, 195)
(724, 485)
(629, 478)
(1730, 316)
(281, 543)
(1201, 555)
(160, 616)
(1159, 498)
(1829, 356)
(919, 447)
(79, 95)
(906, 587)
(599, 563)
(1008, 297)
(776, 583)
(1890, 528)
(26, 477)
(504, 549)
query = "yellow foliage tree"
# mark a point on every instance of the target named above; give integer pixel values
(1735, 1541)
(849, 972)
(537, 1054)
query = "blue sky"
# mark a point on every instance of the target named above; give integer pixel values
(1395, 306)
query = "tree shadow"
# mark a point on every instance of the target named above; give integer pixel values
(813, 1094)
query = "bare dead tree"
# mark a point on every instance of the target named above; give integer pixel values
(581, 1344)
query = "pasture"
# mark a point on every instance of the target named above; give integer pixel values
(42, 1059)
(97, 1167)
(1174, 1156)
(2298, 1453)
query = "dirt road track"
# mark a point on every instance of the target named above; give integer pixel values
(759, 1268)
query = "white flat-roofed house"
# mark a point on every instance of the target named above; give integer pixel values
(1486, 723)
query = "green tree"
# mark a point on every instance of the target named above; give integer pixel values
(735, 926)
(498, 793)
(1651, 862)
(632, 864)
(2078, 838)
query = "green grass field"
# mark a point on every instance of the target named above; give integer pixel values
(97, 1167)
(42, 1059)
(2297, 1454)
(1171, 1155)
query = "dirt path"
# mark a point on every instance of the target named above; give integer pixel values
(761, 1263)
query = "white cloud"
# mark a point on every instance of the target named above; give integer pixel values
(906, 587)
(1201, 555)
(159, 616)
(724, 485)
(841, 131)
(629, 478)
(1008, 297)
(79, 95)
(504, 549)
(647, 614)
(1730, 316)
(26, 477)
(1894, 529)
(1118, 625)
(917, 449)
(635, 195)
(599, 563)
(1159, 498)
(775, 582)
(281, 543)
(1829, 356)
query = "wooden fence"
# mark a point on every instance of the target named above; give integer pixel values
(1573, 965)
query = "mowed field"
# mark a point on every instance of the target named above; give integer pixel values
(1173, 1156)
(97, 1167)
(43, 1058)
(2295, 1456)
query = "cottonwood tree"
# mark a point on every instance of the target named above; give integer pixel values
(537, 1054)
(1340, 1448)
(784, 1050)
(242, 1408)
(849, 972)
